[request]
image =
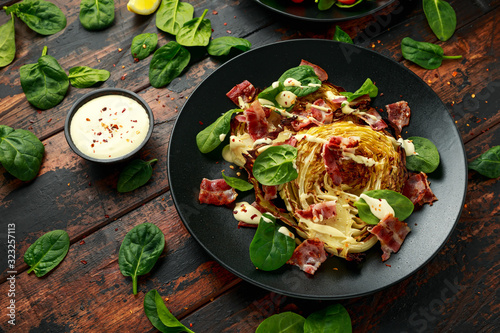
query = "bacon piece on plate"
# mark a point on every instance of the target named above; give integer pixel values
(399, 113)
(373, 118)
(391, 233)
(245, 90)
(256, 121)
(270, 192)
(417, 189)
(332, 155)
(308, 256)
(320, 72)
(216, 192)
(322, 112)
(320, 211)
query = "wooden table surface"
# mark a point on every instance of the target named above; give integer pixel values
(457, 291)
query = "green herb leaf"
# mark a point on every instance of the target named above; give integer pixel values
(134, 175)
(368, 88)
(341, 5)
(172, 15)
(222, 46)
(270, 93)
(47, 252)
(342, 36)
(403, 207)
(239, 184)
(212, 136)
(275, 165)
(286, 322)
(159, 316)
(333, 319)
(427, 159)
(7, 42)
(143, 45)
(21, 152)
(309, 81)
(140, 249)
(325, 4)
(488, 164)
(168, 63)
(441, 18)
(195, 32)
(84, 77)
(40, 16)
(426, 55)
(270, 249)
(97, 14)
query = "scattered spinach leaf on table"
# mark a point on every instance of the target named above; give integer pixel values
(21, 152)
(342, 36)
(143, 45)
(84, 77)
(97, 14)
(403, 207)
(134, 175)
(44, 83)
(286, 322)
(40, 16)
(275, 165)
(7, 42)
(211, 137)
(140, 249)
(333, 319)
(168, 63)
(367, 88)
(427, 159)
(47, 252)
(426, 55)
(195, 32)
(159, 315)
(222, 46)
(488, 164)
(441, 18)
(237, 183)
(172, 15)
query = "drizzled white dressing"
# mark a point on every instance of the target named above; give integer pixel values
(247, 213)
(379, 207)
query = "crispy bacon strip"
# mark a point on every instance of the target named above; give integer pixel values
(270, 192)
(245, 90)
(391, 233)
(373, 118)
(256, 121)
(321, 115)
(332, 155)
(308, 256)
(399, 113)
(320, 72)
(216, 192)
(320, 211)
(418, 190)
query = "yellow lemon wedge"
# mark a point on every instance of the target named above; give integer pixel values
(143, 7)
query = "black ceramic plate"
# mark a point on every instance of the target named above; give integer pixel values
(308, 10)
(348, 66)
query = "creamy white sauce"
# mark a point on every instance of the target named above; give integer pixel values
(263, 140)
(291, 82)
(247, 213)
(275, 84)
(408, 146)
(346, 109)
(109, 126)
(265, 102)
(222, 137)
(368, 161)
(379, 207)
(286, 232)
(310, 138)
(286, 98)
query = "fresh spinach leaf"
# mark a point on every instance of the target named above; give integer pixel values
(270, 93)
(270, 249)
(134, 175)
(325, 4)
(45, 83)
(195, 32)
(40, 16)
(333, 319)
(286, 322)
(368, 88)
(441, 18)
(168, 63)
(97, 14)
(488, 164)
(309, 81)
(239, 184)
(222, 46)
(342, 36)
(84, 77)
(143, 45)
(345, 5)
(140, 249)
(212, 136)
(47, 252)
(21, 152)
(172, 15)
(7, 42)
(403, 207)
(427, 159)
(426, 55)
(275, 165)
(159, 316)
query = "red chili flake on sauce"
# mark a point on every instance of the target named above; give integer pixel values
(87, 119)
(83, 262)
(134, 121)
(104, 108)
(99, 133)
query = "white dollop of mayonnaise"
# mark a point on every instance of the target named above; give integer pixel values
(286, 232)
(275, 84)
(291, 82)
(222, 137)
(286, 98)
(408, 146)
(346, 109)
(379, 207)
(247, 213)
